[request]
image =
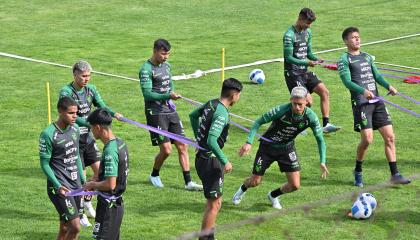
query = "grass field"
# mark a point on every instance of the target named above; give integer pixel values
(117, 37)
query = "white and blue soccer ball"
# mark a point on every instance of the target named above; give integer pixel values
(369, 198)
(257, 76)
(361, 209)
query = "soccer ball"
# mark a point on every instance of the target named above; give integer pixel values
(369, 198)
(257, 76)
(361, 209)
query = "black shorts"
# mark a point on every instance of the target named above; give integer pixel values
(309, 80)
(286, 157)
(373, 115)
(109, 215)
(169, 122)
(211, 173)
(89, 154)
(68, 208)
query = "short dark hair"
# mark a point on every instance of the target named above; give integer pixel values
(349, 31)
(100, 116)
(230, 85)
(64, 103)
(307, 14)
(162, 44)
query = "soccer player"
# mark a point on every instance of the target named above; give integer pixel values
(287, 121)
(112, 180)
(210, 123)
(60, 161)
(86, 95)
(298, 55)
(360, 75)
(158, 91)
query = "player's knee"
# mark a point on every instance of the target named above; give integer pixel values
(166, 151)
(255, 182)
(390, 140)
(325, 93)
(182, 147)
(74, 228)
(367, 140)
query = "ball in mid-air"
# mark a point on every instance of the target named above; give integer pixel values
(257, 76)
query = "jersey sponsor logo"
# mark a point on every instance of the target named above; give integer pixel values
(71, 150)
(301, 125)
(355, 61)
(292, 156)
(96, 227)
(74, 136)
(73, 175)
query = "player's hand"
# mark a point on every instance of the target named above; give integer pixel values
(63, 190)
(118, 116)
(368, 94)
(175, 96)
(324, 171)
(228, 167)
(244, 150)
(312, 63)
(88, 186)
(392, 90)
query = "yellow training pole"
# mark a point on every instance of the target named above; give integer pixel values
(223, 64)
(49, 102)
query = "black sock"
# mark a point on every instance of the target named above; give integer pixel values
(393, 167)
(244, 188)
(155, 172)
(276, 193)
(187, 176)
(325, 120)
(358, 167)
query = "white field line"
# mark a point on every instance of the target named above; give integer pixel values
(61, 65)
(199, 73)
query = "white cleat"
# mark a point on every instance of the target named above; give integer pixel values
(156, 181)
(237, 198)
(192, 186)
(274, 201)
(90, 211)
(84, 221)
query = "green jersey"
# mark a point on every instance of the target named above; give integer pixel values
(85, 98)
(210, 124)
(285, 126)
(358, 72)
(156, 85)
(297, 46)
(114, 163)
(59, 156)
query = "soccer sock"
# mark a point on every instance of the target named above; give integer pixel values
(325, 121)
(276, 193)
(393, 167)
(155, 172)
(243, 188)
(187, 176)
(358, 167)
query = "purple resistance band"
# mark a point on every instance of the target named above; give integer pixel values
(193, 102)
(399, 107)
(81, 192)
(164, 133)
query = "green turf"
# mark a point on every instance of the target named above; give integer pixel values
(117, 37)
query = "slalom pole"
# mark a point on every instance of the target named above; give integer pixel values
(48, 102)
(223, 64)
